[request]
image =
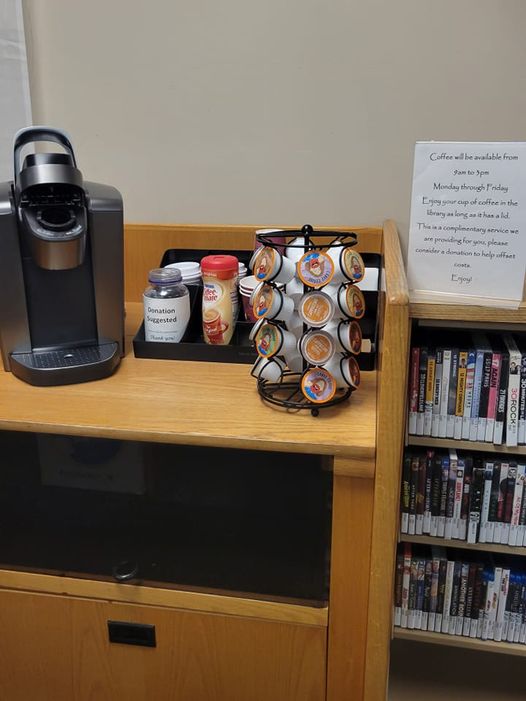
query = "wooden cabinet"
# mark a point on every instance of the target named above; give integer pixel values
(55, 648)
(213, 645)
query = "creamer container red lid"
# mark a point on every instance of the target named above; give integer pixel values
(219, 263)
(318, 385)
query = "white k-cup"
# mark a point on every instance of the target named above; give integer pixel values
(269, 301)
(270, 369)
(351, 301)
(345, 371)
(271, 340)
(270, 265)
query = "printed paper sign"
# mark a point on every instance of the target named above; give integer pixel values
(467, 235)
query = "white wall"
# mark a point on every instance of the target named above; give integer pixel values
(277, 111)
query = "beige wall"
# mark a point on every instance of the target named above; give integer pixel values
(277, 111)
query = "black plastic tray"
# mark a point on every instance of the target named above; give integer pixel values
(240, 350)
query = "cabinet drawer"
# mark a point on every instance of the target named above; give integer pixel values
(54, 648)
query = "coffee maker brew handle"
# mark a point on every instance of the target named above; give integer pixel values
(32, 134)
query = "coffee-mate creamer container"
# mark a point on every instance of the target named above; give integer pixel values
(220, 298)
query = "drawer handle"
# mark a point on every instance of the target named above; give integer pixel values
(132, 633)
(125, 570)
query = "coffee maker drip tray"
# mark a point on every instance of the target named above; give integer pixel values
(66, 365)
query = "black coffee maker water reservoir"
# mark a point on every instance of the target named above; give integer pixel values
(61, 268)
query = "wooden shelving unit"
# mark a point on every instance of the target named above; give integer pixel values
(468, 314)
(463, 317)
(475, 446)
(424, 636)
(483, 547)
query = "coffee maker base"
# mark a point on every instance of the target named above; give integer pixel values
(66, 366)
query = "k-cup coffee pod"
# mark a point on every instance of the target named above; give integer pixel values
(295, 249)
(253, 331)
(295, 289)
(318, 385)
(351, 371)
(347, 335)
(270, 369)
(351, 301)
(336, 253)
(316, 309)
(270, 302)
(295, 362)
(270, 266)
(344, 370)
(295, 324)
(352, 264)
(271, 340)
(315, 269)
(317, 347)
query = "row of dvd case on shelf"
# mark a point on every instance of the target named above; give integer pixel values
(457, 495)
(470, 387)
(462, 594)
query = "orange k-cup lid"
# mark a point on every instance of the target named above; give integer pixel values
(352, 264)
(350, 336)
(268, 340)
(351, 371)
(315, 268)
(317, 347)
(263, 300)
(355, 301)
(316, 309)
(318, 385)
(264, 263)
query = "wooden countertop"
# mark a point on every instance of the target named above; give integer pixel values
(194, 403)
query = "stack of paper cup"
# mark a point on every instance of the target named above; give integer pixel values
(247, 285)
(190, 271)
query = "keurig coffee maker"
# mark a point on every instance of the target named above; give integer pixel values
(61, 268)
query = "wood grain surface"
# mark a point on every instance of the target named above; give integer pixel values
(392, 392)
(193, 403)
(159, 596)
(57, 649)
(146, 243)
(348, 605)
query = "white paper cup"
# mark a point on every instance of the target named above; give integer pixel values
(190, 271)
(270, 369)
(336, 254)
(351, 301)
(317, 347)
(270, 266)
(316, 308)
(278, 240)
(271, 340)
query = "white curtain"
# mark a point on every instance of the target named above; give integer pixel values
(15, 105)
